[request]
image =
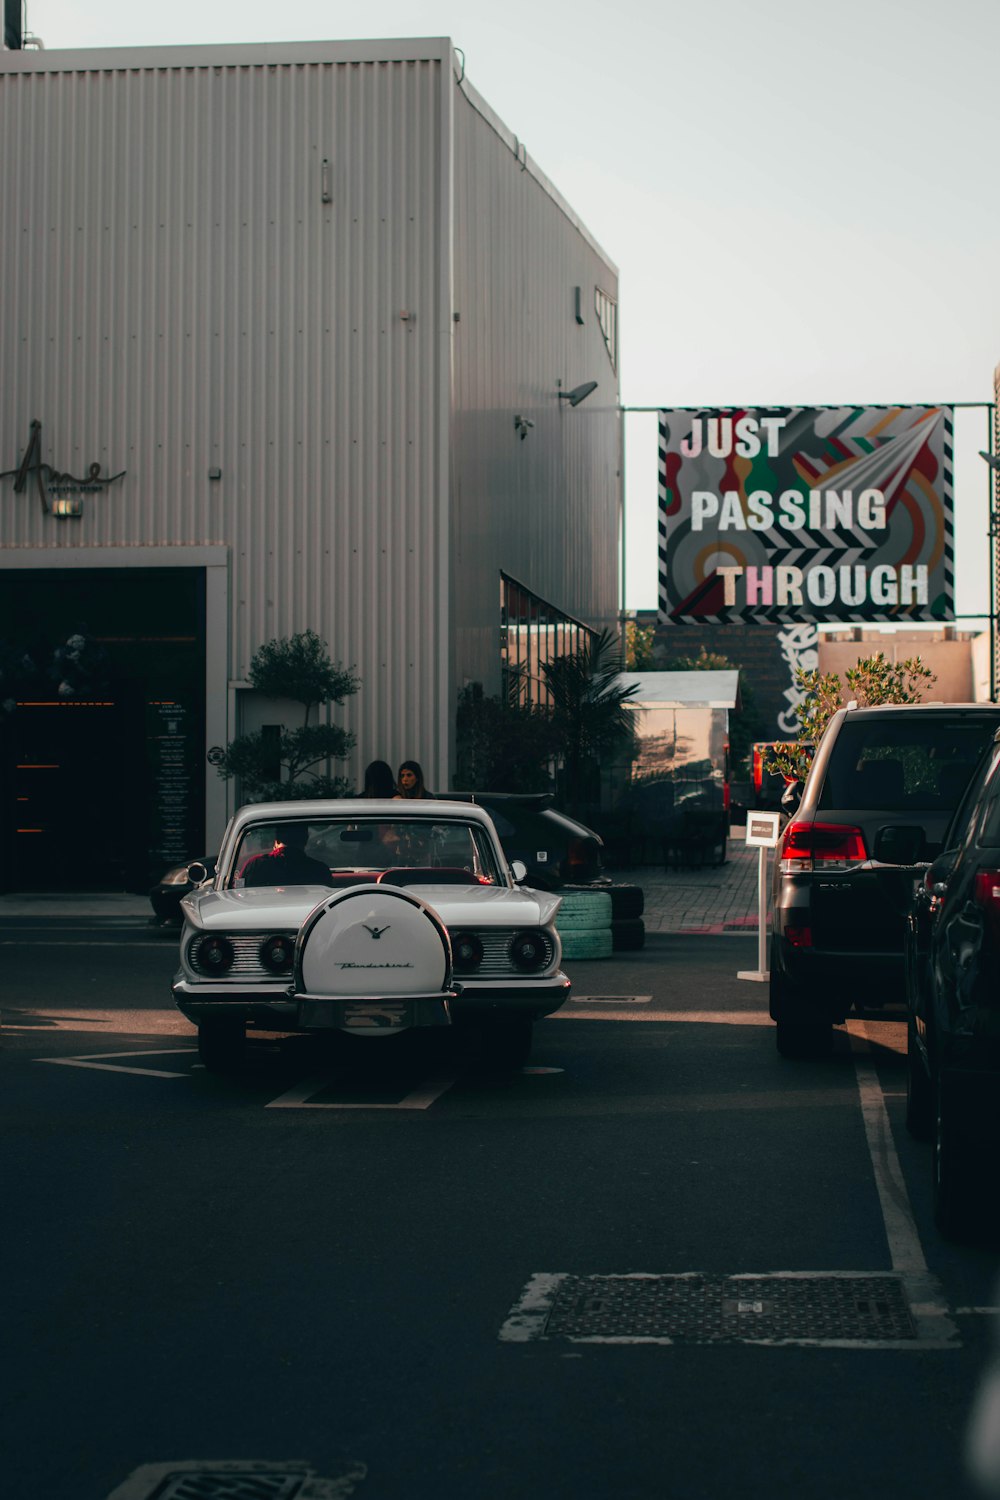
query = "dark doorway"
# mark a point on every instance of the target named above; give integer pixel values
(102, 694)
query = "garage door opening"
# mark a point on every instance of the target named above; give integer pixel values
(102, 740)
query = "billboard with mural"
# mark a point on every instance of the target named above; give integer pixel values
(792, 515)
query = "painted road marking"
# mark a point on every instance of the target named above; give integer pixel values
(90, 1060)
(302, 1095)
(923, 1290)
(610, 999)
(696, 1017)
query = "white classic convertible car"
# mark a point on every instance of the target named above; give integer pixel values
(367, 917)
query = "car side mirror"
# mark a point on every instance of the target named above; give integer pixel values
(792, 796)
(900, 844)
(197, 873)
(519, 870)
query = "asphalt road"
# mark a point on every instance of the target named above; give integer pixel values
(424, 1282)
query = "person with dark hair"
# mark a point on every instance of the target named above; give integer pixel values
(379, 780)
(410, 782)
(287, 863)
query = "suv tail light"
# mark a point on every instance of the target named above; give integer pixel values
(987, 891)
(822, 846)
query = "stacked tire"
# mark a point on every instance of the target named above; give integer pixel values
(594, 923)
(584, 924)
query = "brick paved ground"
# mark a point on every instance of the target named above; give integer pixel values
(711, 899)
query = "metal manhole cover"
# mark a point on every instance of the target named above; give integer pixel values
(706, 1309)
(209, 1486)
(236, 1479)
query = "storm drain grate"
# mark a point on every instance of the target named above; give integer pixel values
(221, 1486)
(706, 1309)
(236, 1479)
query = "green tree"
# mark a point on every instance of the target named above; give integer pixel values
(639, 641)
(299, 668)
(502, 743)
(872, 680)
(589, 713)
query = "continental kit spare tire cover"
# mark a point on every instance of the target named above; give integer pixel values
(372, 940)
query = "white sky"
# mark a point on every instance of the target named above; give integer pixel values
(799, 197)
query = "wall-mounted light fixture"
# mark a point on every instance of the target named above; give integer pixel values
(66, 507)
(521, 425)
(578, 393)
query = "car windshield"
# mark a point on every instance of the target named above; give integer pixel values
(921, 763)
(349, 850)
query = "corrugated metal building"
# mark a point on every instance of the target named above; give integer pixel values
(281, 317)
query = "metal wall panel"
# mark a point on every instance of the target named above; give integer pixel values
(545, 509)
(178, 298)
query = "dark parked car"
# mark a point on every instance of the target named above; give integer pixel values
(768, 786)
(556, 849)
(953, 1006)
(879, 797)
(166, 896)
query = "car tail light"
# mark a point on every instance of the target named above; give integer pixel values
(821, 846)
(466, 950)
(758, 767)
(276, 953)
(529, 951)
(799, 937)
(987, 890)
(581, 857)
(215, 955)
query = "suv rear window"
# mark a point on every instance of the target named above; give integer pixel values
(921, 763)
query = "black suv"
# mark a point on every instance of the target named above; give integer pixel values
(873, 813)
(953, 1006)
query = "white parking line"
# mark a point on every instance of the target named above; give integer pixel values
(302, 1095)
(923, 1290)
(90, 1060)
(623, 1012)
(610, 999)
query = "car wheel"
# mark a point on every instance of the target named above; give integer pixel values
(798, 1031)
(222, 1043)
(919, 1100)
(954, 1160)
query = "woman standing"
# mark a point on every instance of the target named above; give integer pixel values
(378, 780)
(410, 782)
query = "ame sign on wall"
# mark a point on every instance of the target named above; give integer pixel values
(809, 513)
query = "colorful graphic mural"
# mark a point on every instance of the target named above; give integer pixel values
(797, 515)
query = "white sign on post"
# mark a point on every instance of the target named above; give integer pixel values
(762, 834)
(762, 829)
